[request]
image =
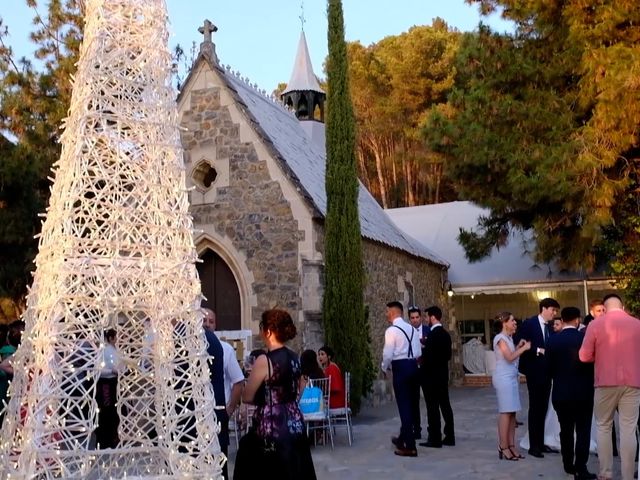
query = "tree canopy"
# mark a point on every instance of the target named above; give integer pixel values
(541, 127)
(393, 84)
(33, 102)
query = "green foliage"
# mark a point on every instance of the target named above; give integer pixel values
(393, 84)
(20, 202)
(542, 125)
(343, 307)
(33, 103)
(623, 244)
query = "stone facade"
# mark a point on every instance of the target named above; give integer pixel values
(250, 211)
(258, 220)
(391, 275)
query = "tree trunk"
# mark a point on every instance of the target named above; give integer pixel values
(380, 171)
(438, 178)
(362, 165)
(390, 150)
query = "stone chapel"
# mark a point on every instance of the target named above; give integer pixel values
(257, 168)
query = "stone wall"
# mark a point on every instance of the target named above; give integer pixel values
(250, 209)
(251, 212)
(389, 274)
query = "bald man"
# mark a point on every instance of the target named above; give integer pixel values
(612, 343)
(233, 376)
(227, 379)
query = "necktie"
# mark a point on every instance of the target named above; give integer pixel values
(546, 333)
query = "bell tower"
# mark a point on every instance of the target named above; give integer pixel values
(304, 95)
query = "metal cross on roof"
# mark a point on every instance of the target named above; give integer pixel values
(207, 29)
(301, 17)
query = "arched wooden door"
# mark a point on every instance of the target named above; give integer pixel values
(221, 289)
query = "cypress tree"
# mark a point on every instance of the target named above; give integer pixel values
(343, 306)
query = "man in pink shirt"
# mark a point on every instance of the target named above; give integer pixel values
(612, 343)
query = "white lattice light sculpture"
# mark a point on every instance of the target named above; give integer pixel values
(116, 250)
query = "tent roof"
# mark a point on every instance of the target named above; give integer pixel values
(437, 227)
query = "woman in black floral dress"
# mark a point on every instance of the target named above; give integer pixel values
(277, 446)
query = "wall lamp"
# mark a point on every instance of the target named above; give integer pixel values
(446, 287)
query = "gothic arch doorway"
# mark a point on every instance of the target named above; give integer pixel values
(221, 289)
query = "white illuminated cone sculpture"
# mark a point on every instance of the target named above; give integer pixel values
(116, 251)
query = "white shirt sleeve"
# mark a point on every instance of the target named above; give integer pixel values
(388, 349)
(232, 371)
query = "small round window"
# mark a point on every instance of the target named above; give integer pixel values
(204, 175)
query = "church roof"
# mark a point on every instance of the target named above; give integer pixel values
(304, 162)
(302, 76)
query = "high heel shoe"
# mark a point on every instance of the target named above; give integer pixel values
(516, 455)
(503, 456)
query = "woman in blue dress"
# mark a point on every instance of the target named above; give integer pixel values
(276, 447)
(505, 381)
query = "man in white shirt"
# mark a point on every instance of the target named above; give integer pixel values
(400, 354)
(415, 319)
(233, 376)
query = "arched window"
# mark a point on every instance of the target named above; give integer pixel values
(221, 289)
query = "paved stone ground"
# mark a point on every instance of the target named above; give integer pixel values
(474, 457)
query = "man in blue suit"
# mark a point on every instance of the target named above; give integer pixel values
(533, 364)
(572, 395)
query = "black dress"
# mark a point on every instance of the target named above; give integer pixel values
(277, 425)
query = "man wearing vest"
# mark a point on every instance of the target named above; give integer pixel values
(400, 354)
(216, 373)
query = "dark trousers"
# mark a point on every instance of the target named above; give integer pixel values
(108, 419)
(405, 383)
(539, 388)
(575, 416)
(223, 437)
(417, 423)
(436, 395)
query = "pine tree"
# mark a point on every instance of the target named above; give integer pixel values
(542, 129)
(343, 307)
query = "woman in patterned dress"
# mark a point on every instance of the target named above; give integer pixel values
(277, 447)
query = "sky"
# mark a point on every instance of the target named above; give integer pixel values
(259, 38)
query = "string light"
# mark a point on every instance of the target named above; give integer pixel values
(115, 251)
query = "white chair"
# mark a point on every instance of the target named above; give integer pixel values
(234, 427)
(320, 420)
(249, 410)
(341, 417)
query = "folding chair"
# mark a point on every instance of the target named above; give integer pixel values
(341, 417)
(234, 425)
(321, 420)
(249, 410)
